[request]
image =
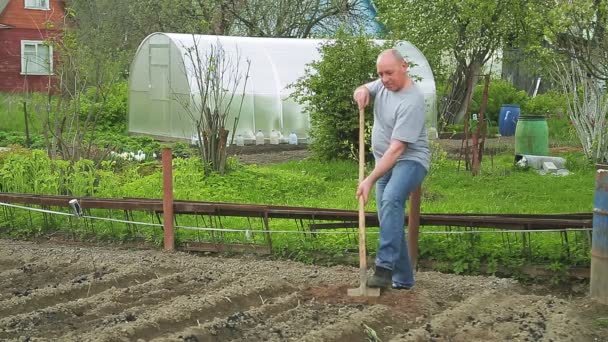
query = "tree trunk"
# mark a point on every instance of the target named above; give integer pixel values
(454, 105)
(223, 136)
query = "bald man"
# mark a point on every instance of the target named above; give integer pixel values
(402, 156)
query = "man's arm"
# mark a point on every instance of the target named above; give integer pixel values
(388, 160)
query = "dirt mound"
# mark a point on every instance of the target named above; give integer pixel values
(271, 154)
(58, 292)
(268, 154)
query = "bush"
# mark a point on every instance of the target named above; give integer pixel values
(562, 132)
(326, 91)
(18, 138)
(548, 104)
(111, 114)
(500, 92)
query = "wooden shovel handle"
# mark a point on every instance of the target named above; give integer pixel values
(362, 245)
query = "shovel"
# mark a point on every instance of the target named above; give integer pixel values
(362, 290)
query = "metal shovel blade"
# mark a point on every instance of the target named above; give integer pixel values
(364, 291)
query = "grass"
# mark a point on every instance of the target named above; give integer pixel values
(602, 322)
(499, 189)
(12, 118)
(504, 189)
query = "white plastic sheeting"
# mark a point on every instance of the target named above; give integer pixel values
(162, 79)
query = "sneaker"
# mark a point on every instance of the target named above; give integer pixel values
(400, 287)
(382, 278)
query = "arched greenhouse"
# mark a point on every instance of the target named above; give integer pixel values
(164, 84)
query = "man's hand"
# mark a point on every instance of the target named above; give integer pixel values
(385, 163)
(361, 97)
(364, 188)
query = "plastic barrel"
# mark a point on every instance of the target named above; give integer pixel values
(599, 244)
(507, 119)
(532, 136)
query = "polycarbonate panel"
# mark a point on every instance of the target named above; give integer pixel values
(294, 119)
(275, 64)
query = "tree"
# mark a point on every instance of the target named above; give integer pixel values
(587, 107)
(294, 18)
(573, 50)
(118, 27)
(457, 36)
(218, 77)
(326, 92)
(70, 127)
(577, 29)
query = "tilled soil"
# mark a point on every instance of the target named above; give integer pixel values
(66, 293)
(272, 154)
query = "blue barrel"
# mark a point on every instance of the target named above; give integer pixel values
(507, 120)
(599, 243)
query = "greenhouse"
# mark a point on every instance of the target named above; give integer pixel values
(165, 84)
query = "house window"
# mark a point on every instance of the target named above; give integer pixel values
(36, 58)
(37, 4)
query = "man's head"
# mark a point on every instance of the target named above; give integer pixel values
(392, 70)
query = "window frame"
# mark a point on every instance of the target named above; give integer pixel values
(39, 8)
(23, 65)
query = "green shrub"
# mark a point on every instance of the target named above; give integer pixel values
(18, 138)
(548, 104)
(111, 112)
(500, 92)
(562, 132)
(326, 91)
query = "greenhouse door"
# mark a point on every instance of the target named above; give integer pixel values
(160, 87)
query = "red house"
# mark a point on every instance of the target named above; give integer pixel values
(26, 60)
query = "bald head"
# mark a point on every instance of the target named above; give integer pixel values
(392, 70)
(390, 55)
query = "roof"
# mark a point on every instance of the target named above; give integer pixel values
(3, 4)
(270, 55)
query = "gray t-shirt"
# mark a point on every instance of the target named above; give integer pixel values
(399, 115)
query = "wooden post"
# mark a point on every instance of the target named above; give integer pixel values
(475, 143)
(167, 161)
(27, 127)
(413, 226)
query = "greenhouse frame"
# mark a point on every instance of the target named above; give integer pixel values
(164, 84)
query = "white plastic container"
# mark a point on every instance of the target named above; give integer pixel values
(240, 140)
(432, 133)
(259, 138)
(194, 141)
(293, 139)
(274, 137)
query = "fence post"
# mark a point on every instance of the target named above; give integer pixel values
(167, 160)
(599, 243)
(413, 225)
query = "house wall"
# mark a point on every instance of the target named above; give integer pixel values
(11, 79)
(15, 14)
(27, 24)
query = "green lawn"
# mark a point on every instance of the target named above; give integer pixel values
(12, 118)
(499, 189)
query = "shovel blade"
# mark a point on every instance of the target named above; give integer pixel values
(364, 292)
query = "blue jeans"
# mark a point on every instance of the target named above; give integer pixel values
(392, 191)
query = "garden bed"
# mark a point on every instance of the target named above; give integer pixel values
(69, 293)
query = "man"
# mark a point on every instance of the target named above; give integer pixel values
(402, 156)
